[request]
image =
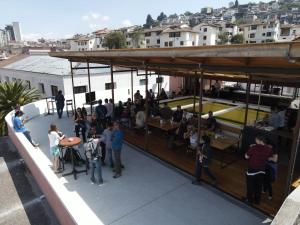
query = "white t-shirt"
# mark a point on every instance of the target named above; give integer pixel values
(109, 107)
(53, 138)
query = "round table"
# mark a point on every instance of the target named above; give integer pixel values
(68, 143)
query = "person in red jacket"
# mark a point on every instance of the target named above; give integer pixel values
(257, 155)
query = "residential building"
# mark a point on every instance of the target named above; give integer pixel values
(208, 33)
(261, 32)
(82, 43)
(178, 37)
(289, 32)
(152, 36)
(135, 37)
(99, 43)
(10, 33)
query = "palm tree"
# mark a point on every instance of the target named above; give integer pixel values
(11, 95)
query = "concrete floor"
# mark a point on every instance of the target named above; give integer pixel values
(149, 192)
(21, 201)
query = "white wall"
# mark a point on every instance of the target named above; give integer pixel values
(35, 79)
(188, 38)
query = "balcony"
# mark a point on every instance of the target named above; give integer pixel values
(149, 192)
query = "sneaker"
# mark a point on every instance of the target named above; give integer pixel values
(122, 166)
(100, 184)
(35, 145)
(116, 176)
(92, 180)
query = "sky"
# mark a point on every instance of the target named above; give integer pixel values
(53, 19)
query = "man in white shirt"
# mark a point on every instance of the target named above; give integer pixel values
(110, 108)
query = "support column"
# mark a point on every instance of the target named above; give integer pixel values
(112, 84)
(200, 105)
(259, 99)
(158, 86)
(146, 108)
(247, 99)
(72, 77)
(293, 157)
(131, 85)
(89, 80)
(194, 101)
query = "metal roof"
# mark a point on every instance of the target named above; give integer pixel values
(276, 62)
(49, 65)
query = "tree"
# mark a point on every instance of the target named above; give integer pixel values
(149, 21)
(237, 39)
(223, 38)
(161, 16)
(115, 40)
(136, 37)
(188, 13)
(11, 95)
(236, 4)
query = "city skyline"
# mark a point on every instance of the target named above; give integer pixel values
(45, 19)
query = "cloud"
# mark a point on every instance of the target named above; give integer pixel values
(95, 20)
(94, 15)
(127, 23)
(105, 18)
(85, 18)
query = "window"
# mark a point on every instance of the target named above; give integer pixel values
(54, 90)
(205, 29)
(166, 44)
(252, 36)
(108, 86)
(79, 89)
(158, 41)
(142, 82)
(269, 34)
(158, 33)
(98, 46)
(204, 37)
(252, 42)
(193, 43)
(27, 84)
(170, 43)
(263, 34)
(264, 27)
(41, 88)
(148, 41)
(174, 34)
(128, 43)
(181, 43)
(147, 34)
(253, 27)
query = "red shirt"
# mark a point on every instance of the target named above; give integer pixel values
(258, 156)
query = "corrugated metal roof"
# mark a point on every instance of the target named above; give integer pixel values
(50, 65)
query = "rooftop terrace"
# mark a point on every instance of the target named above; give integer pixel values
(149, 192)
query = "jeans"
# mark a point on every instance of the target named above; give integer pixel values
(60, 111)
(81, 126)
(28, 136)
(254, 187)
(267, 184)
(199, 167)
(95, 166)
(117, 155)
(110, 157)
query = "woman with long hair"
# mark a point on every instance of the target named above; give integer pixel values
(54, 138)
(79, 120)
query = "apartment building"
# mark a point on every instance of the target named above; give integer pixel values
(208, 33)
(261, 32)
(82, 43)
(3, 39)
(178, 37)
(289, 32)
(152, 37)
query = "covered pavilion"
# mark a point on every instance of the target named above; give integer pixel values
(275, 63)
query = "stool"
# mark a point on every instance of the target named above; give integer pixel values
(70, 104)
(50, 101)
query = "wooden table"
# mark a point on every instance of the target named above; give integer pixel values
(68, 144)
(296, 183)
(165, 125)
(223, 144)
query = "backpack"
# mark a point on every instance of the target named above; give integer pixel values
(91, 151)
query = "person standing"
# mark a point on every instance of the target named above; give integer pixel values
(80, 124)
(109, 109)
(116, 145)
(204, 154)
(19, 127)
(106, 139)
(177, 115)
(101, 112)
(54, 139)
(93, 153)
(60, 103)
(257, 155)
